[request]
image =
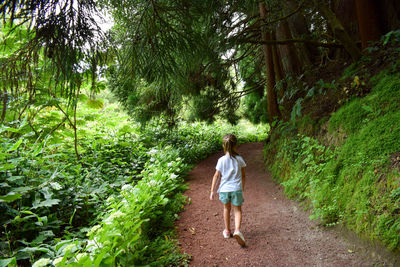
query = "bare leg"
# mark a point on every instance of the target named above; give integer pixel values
(227, 216)
(238, 217)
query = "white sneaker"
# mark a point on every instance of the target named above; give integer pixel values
(239, 238)
(226, 234)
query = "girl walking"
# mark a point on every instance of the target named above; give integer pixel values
(230, 168)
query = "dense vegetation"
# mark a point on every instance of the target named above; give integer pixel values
(126, 181)
(84, 184)
(348, 168)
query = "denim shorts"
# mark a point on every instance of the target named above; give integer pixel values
(236, 197)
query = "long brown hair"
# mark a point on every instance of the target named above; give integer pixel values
(229, 142)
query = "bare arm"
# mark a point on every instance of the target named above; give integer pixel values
(243, 178)
(214, 181)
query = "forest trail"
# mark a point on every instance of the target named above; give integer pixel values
(277, 231)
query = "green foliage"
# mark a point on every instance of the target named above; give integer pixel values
(95, 103)
(255, 108)
(47, 53)
(356, 183)
(294, 86)
(254, 103)
(50, 200)
(296, 110)
(50, 194)
(173, 53)
(308, 126)
(136, 228)
(391, 37)
(378, 138)
(130, 232)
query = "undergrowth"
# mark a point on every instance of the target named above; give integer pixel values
(116, 205)
(357, 183)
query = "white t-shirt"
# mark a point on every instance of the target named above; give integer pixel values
(231, 173)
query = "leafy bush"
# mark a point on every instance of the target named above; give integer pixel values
(138, 219)
(46, 193)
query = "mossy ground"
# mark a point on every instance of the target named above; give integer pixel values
(358, 182)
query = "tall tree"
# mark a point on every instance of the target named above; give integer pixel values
(390, 14)
(299, 27)
(288, 52)
(345, 11)
(175, 51)
(369, 25)
(272, 102)
(180, 55)
(277, 68)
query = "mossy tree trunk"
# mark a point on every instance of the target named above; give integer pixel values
(338, 30)
(344, 11)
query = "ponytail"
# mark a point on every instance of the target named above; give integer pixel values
(229, 142)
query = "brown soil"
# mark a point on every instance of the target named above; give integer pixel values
(278, 232)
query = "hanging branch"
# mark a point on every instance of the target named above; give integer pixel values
(59, 36)
(58, 32)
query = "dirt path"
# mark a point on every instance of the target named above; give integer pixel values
(277, 231)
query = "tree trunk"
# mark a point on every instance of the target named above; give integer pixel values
(390, 10)
(339, 31)
(290, 61)
(277, 63)
(368, 21)
(277, 67)
(272, 102)
(299, 28)
(344, 11)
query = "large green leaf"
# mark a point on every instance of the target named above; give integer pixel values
(9, 129)
(8, 262)
(15, 146)
(6, 166)
(45, 203)
(10, 197)
(14, 178)
(42, 236)
(47, 193)
(22, 189)
(32, 250)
